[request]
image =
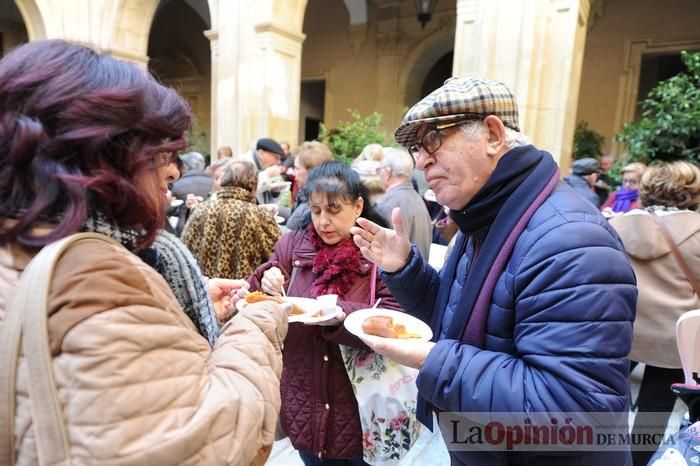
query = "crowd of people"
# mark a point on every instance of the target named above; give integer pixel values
(552, 290)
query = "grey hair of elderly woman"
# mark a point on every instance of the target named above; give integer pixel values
(240, 173)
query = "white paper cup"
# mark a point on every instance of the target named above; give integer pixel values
(328, 302)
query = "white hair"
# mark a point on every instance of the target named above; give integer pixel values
(400, 162)
(193, 161)
(474, 129)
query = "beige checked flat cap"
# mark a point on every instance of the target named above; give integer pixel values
(457, 99)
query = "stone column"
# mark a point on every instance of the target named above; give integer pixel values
(226, 111)
(390, 57)
(536, 47)
(279, 80)
(216, 136)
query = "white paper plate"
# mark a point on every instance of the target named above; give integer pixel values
(354, 321)
(281, 185)
(176, 202)
(311, 306)
(279, 219)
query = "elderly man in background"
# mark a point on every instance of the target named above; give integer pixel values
(604, 182)
(194, 185)
(395, 175)
(194, 180)
(584, 173)
(266, 157)
(524, 318)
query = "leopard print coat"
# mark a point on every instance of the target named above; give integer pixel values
(229, 235)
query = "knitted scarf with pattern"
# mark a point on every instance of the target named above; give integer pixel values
(171, 259)
(336, 265)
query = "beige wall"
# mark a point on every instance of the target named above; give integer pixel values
(623, 30)
(180, 57)
(378, 66)
(328, 54)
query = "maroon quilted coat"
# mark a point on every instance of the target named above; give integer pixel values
(319, 410)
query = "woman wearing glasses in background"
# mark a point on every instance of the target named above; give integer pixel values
(626, 198)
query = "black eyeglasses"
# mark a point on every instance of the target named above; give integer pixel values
(432, 140)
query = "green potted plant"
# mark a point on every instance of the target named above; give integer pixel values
(347, 140)
(587, 142)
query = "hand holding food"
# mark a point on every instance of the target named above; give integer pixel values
(258, 296)
(272, 281)
(223, 294)
(384, 326)
(193, 200)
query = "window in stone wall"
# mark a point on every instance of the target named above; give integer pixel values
(311, 108)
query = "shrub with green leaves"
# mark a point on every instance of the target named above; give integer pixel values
(347, 140)
(197, 142)
(587, 143)
(670, 125)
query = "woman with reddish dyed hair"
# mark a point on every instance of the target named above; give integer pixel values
(145, 374)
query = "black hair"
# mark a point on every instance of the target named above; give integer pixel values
(338, 180)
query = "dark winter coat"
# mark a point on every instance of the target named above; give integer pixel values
(319, 410)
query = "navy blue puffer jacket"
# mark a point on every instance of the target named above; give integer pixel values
(558, 333)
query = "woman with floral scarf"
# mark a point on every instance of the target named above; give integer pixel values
(319, 410)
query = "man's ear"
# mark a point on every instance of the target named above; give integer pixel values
(495, 143)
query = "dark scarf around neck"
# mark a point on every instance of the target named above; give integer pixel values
(337, 266)
(523, 176)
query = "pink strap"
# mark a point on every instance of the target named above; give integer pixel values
(373, 285)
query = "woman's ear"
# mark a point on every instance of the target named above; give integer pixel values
(495, 143)
(359, 205)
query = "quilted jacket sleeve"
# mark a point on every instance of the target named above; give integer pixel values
(573, 295)
(141, 386)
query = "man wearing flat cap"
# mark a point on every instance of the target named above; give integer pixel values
(584, 174)
(266, 157)
(524, 318)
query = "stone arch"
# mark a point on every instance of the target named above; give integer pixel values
(33, 20)
(289, 13)
(132, 21)
(420, 61)
(132, 25)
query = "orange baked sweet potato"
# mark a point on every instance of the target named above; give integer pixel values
(384, 326)
(258, 296)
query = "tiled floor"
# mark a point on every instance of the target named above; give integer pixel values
(430, 449)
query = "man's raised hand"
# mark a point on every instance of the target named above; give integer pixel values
(389, 249)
